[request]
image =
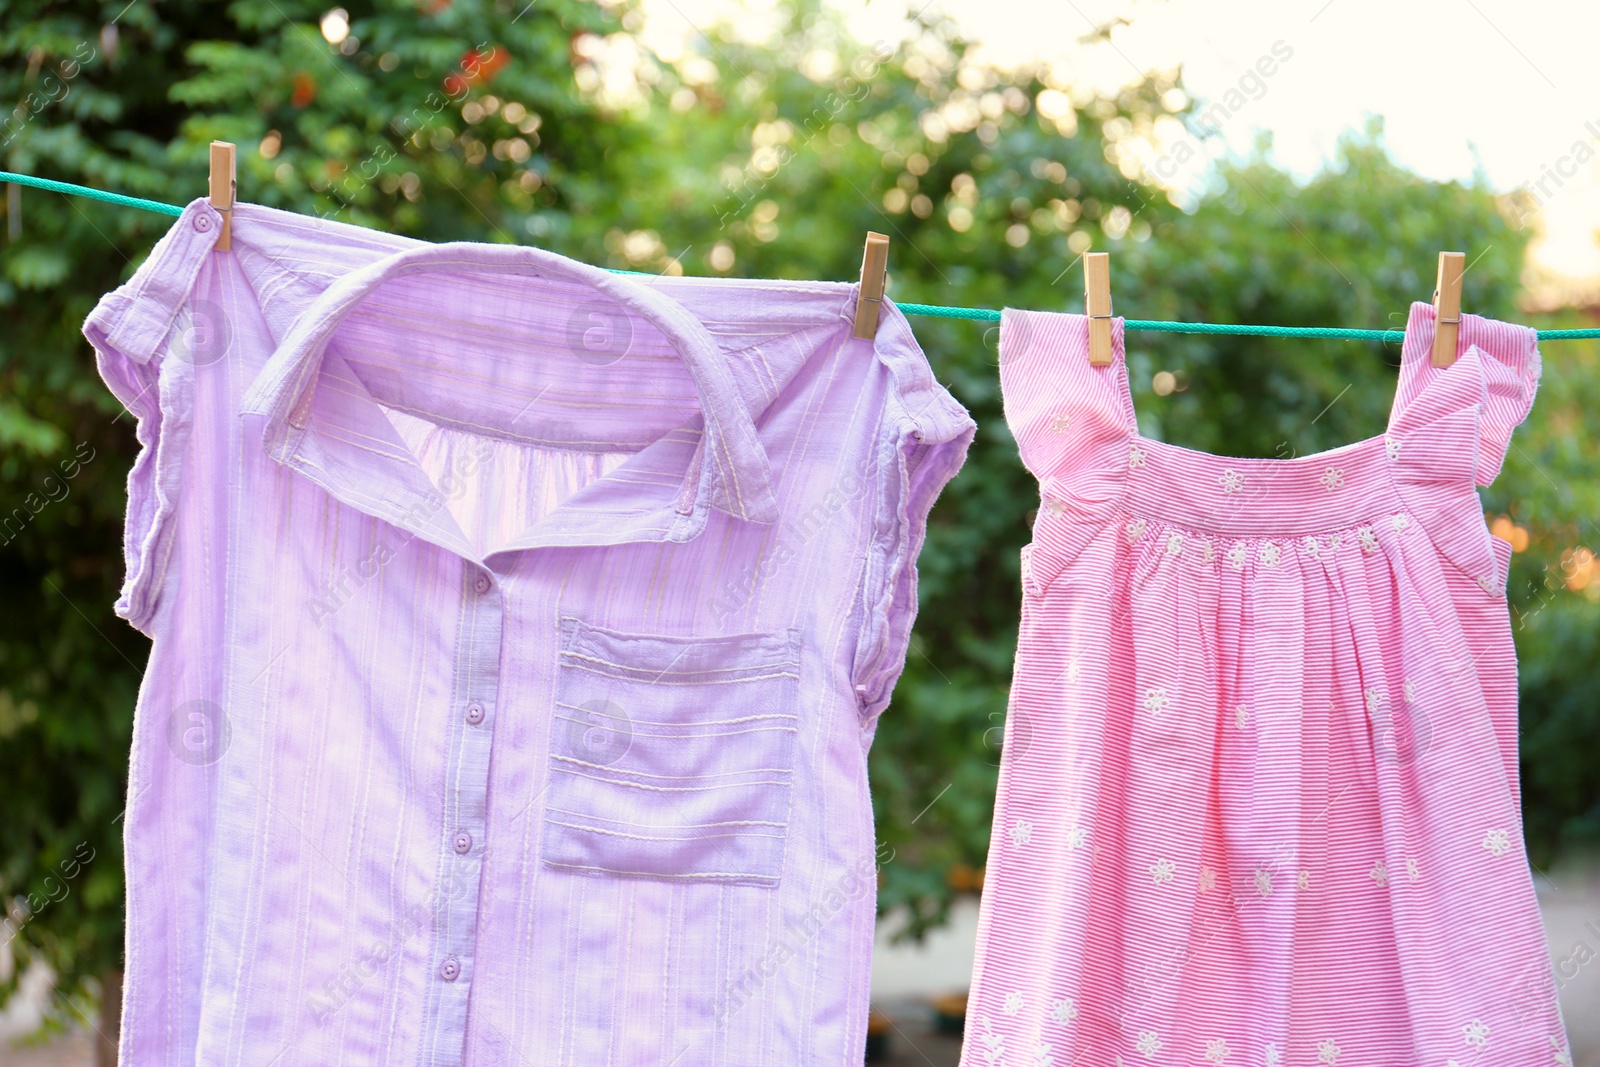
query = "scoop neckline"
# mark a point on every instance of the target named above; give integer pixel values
(1350, 484)
(1270, 462)
(1119, 339)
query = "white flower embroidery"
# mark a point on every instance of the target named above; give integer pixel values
(1497, 841)
(1489, 584)
(1027, 569)
(1313, 549)
(1135, 457)
(1328, 1052)
(1156, 700)
(1208, 879)
(1063, 1011)
(1055, 507)
(1410, 691)
(1332, 478)
(1042, 1057)
(1163, 871)
(1269, 554)
(1476, 1033)
(1217, 1050)
(1013, 1003)
(1021, 832)
(1399, 522)
(1374, 700)
(1206, 553)
(1232, 481)
(1149, 1044)
(1379, 873)
(1264, 882)
(1059, 423)
(1077, 837)
(1335, 540)
(1391, 445)
(1561, 1055)
(994, 1045)
(1236, 555)
(1413, 869)
(1272, 1054)
(1304, 881)
(1135, 530)
(1241, 716)
(1174, 544)
(1369, 540)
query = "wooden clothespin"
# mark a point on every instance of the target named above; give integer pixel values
(224, 183)
(874, 273)
(1097, 304)
(1447, 307)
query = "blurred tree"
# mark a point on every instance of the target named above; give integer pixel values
(765, 156)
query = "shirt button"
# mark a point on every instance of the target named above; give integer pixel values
(474, 713)
(449, 970)
(463, 841)
(481, 582)
(202, 223)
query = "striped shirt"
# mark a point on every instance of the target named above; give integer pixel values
(1257, 798)
(520, 630)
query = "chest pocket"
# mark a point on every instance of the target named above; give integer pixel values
(672, 757)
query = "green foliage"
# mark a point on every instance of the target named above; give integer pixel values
(499, 121)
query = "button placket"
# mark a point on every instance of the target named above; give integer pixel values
(463, 848)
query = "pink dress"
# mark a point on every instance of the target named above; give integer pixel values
(1258, 799)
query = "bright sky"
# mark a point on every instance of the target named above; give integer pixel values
(1510, 87)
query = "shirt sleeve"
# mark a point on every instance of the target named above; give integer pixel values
(923, 443)
(148, 338)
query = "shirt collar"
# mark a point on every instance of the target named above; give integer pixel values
(334, 434)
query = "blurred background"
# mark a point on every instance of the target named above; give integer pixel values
(1271, 162)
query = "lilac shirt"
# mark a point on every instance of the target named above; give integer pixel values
(520, 630)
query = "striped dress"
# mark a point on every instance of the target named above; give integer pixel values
(1258, 801)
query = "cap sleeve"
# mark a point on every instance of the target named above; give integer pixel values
(1511, 378)
(134, 330)
(1074, 426)
(1451, 427)
(920, 445)
(1496, 386)
(1056, 403)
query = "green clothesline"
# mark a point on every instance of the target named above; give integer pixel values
(937, 311)
(92, 194)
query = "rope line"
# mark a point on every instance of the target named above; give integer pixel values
(934, 311)
(92, 194)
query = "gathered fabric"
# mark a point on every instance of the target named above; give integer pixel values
(1258, 797)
